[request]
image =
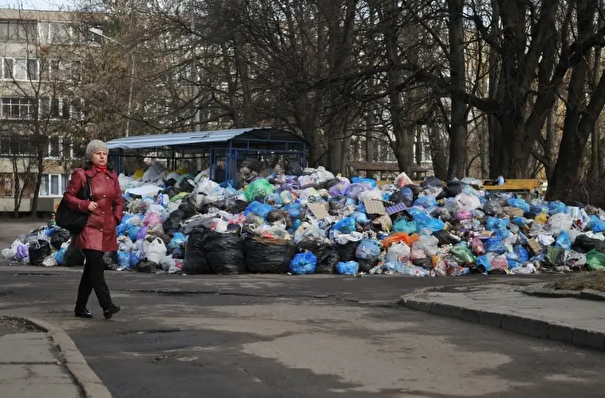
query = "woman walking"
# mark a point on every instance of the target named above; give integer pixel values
(105, 209)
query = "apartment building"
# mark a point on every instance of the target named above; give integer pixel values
(32, 109)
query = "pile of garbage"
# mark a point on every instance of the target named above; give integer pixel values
(315, 222)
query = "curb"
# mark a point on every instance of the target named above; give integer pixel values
(73, 359)
(513, 323)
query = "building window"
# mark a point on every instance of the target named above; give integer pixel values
(17, 108)
(18, 30)
(20, 69)
(53, 184)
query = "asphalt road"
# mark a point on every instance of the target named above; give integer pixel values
(280, 336)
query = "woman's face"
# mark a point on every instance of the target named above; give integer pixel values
(99, 158)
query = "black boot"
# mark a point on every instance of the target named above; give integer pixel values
(83, 313)
(108, 313)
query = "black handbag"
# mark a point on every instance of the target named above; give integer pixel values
(70, 219)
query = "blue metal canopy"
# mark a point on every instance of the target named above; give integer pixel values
(169, 140)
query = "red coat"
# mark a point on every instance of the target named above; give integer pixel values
(100, 231)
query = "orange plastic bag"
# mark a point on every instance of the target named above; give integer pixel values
(399, 237)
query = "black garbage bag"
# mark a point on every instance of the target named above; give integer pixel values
(454, 188)
(268, 256)
(38, 251)
(235, 206)
(111, 261)
(330, 183)
(186, 186)
(445, 238)
(425, 263)
(326, 255)
(187, 210)
(492, 208)
(224, 253)
(74, 257)
(432, 182)
(366, 265)
(584, 244)
(195, 261)
(59, 237)
(347, 251)
(294, 169)
(147, 267)
(277, 215)
(172, 223)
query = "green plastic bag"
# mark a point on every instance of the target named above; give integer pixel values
(555, 256)
(462, 254)
(260, 187)
(402, 225)
(595, 260)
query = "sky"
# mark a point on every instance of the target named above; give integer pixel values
(36, 4)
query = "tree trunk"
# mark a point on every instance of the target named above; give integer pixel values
(457, 161)
(439, 145)
(577, 128)
(595, 169)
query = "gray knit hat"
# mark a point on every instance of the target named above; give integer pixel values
(94, 146)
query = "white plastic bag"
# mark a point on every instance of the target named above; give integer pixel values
(399, 252)
(403, 180)
(153, 172)
(155, 250)
(374, 194)
(343, 239)
(50, 262)
(167, 262)
(8, 254)
(467, 202)
(558, 223)
(207, 187)
(321, 175)
(428, 244)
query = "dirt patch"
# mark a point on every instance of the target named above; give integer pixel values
(588, 280)
(11, 326)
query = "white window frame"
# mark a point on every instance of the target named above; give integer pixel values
(30, 105)
(46, 186)
(24, 69)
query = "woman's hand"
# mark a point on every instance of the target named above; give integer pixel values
(93, 206)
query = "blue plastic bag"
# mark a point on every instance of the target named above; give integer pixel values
(348, 268)
(518, 203)
(293, 209)
(303, 263)
(403, 225)
(260, 209)
(522, 254)
(368, 250)
(502, 233)
(133, 231)
(177, 240)
(360, 218)
(564, 241)
(596, 225)
(424, 221)
(60, 256)
(123, 259)
(494, 245)
(346, 225)
(484, 261)
(556, 208)
(520, 221)
(427, 202)
(494, 223)
(367, 181)
(122, 229)
(133, 260)
(538, 209)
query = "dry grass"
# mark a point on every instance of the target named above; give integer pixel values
(585, 280)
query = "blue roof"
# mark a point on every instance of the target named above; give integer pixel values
(191, 138)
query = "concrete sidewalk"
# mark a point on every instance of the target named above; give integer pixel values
(40, 360)
(571, 320)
